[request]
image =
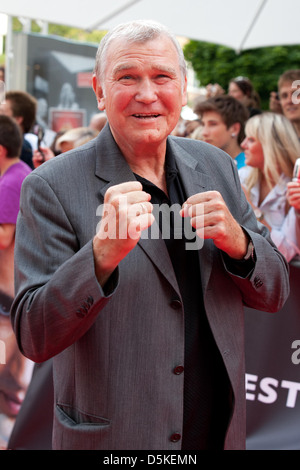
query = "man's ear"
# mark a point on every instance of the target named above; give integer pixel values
(235, 129)
(3, 151)
(98, 90)
(184, 94)
(19, 120)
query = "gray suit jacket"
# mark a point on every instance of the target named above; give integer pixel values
(114, 352)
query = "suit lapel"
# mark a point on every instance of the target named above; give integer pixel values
(111, 166)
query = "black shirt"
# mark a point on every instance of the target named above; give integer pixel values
(206, 384)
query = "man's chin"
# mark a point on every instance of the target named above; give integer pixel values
(150, 135)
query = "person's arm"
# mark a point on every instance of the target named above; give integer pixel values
(287, 237)
(61, 287)
(57, 296)
(259, 215)
(259, 288)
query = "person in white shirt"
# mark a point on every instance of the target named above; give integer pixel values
(271, 149)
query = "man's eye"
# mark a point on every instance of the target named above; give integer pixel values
(125, 78)
(162, 76)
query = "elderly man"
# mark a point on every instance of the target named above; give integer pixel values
(144, 324)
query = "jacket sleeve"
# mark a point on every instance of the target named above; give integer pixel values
(266, 286)
(57, 294)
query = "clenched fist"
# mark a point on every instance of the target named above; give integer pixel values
(127, 211)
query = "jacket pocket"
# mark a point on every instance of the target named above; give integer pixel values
(73, 417)
(76, 430)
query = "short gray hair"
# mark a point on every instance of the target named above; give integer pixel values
(134, 32)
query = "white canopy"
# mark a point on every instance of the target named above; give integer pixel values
(239, 24)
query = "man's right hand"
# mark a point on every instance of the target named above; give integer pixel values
(127, 211)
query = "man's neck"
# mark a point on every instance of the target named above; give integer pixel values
(7, 163)
(148, 162)
(153, 171)
(233, 149)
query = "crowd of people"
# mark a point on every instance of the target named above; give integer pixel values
(264, 144)
(65, 274)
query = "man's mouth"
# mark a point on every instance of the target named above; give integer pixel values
(146, 116)
(292, 108)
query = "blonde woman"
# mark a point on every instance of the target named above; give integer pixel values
(271, 149)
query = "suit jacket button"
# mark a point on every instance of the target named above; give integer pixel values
(90, 300)
(175, 437)
(176, 304)
(258, 282)
(178, 370)
(80, 313)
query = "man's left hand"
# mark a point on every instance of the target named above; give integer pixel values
(211, 218)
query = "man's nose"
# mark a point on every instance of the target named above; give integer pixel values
(147, 91)
(205, 131)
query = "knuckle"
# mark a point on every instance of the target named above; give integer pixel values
(109, 193)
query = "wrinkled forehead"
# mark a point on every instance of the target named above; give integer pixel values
(126, 43)
(161, 41)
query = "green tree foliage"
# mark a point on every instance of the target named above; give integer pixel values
(76, 34)
(67, 32)
(218, 64)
